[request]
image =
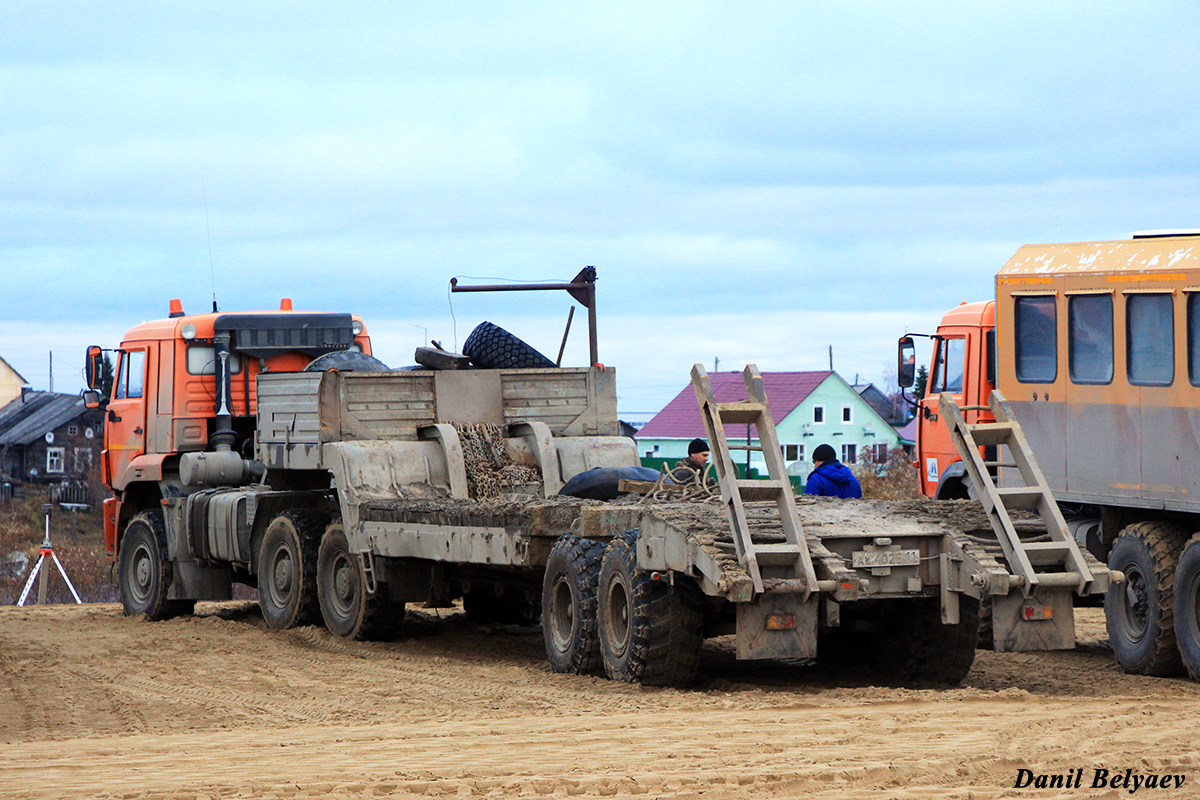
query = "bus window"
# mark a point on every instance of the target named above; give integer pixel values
(1090, 338)
(1193, 334)
(1150, 336)
(1037, 344)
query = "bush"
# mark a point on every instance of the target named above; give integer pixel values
(895, 480)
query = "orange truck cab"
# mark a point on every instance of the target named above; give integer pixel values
(184, 388)
(963, 365)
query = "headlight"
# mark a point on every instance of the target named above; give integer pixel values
(188, 331)
(357, 327)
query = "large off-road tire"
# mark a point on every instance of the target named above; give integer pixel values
(491, 347)
(287, 569)
(1187, 606)
(346, 361)
(144, 573)
(1140, 612)
(569, 605)
(913, 646)
(484, 607)
(348, 609)
(650, 632)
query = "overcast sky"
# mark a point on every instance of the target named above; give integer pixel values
(754, 182)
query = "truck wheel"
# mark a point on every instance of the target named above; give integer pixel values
(569, 605)
(913, 646)
(144, 573)
(650, 632)
(491, 347)
(347, 608)
(287, 569)
(1187, 606)
(1140, 611)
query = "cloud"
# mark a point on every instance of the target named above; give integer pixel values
(718, 164)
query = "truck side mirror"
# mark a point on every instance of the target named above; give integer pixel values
(92, 367)
(91, 398)
(906, 368)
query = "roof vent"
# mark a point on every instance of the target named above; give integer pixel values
(1164, 234)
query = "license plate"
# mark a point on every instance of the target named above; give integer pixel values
(886, 558)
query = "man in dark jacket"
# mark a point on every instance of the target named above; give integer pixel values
(689, 469)
(831, 478)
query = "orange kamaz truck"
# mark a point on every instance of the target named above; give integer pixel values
(1095, 347)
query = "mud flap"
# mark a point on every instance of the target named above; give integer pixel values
(777, 626)
(1043, 621)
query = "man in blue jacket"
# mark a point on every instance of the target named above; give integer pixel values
(831, 478)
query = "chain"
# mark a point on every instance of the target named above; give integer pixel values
(490, 469)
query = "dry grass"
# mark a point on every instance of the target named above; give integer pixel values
(22, 528)
(895, 480)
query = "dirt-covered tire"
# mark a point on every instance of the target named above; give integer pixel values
(569, 605)
(1187, 606)
(287, 569)
(348, 609)
(484, 607)
(650, 632)
(913, 646)
(1140, 611)
(491, 347)
(347, 361)
(144, 573)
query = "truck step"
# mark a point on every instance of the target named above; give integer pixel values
(991, 433)
(1020, 496)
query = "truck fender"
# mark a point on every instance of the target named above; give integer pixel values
(266, 508)
(954, 483)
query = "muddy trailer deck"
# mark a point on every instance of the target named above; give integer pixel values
(927, 569)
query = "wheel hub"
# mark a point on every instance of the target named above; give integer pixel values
(343, 582)
(1137, 602)
(562, 620)
(283, 573)
(618, 616)
(141, 570)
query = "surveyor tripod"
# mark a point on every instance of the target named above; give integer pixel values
(47, 551)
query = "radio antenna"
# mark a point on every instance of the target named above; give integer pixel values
(208, 231)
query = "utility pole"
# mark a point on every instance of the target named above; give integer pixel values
(716, 364)
(52, 372)
(831, 358)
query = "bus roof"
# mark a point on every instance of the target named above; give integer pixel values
(1145, 255)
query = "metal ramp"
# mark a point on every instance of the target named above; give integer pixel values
(789, 563)
(1056, 562)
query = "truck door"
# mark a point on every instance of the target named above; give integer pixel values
(125, 426)
(948, 375)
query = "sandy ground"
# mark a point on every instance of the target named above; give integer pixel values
(97, 705)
